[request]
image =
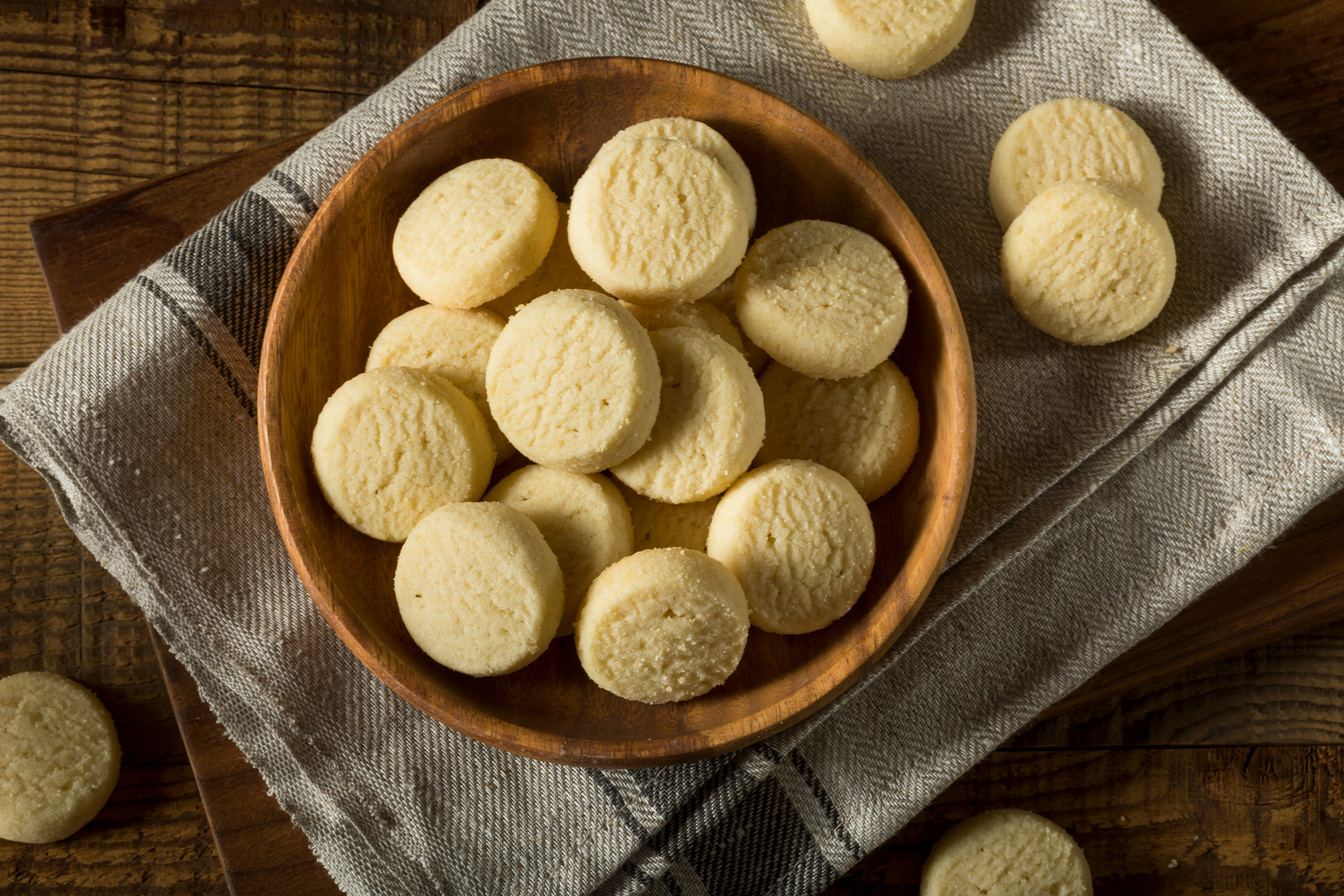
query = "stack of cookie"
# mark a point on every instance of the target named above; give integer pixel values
(600, 341)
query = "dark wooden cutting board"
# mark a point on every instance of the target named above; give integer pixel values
(90, 250)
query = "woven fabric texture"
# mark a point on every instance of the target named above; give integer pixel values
(1113, 485)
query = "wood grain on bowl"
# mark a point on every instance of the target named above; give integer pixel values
(341, 288)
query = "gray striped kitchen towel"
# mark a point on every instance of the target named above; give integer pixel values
(1113, 485)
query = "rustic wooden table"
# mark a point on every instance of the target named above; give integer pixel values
(1228, 778)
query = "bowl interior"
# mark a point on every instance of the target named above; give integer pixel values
(341, 288)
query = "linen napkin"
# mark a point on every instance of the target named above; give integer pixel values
(1113, 484)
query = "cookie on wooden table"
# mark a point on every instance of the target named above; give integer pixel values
(1007, 852)
(890, 38)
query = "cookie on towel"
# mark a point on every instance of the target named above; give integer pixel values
(662, 625)
(822, 298)
(452, 342)
(866, 428)
(661, 525)
(59, 757)
(573, 381)
(582, 517)
(475, 233)
(800, 539)
(558, 270)
(392, 444)
(1089, 262)
(656, 221)
(889, 38)
(1007, 852)
(479, 589)
(1070, 139)
(711, 420)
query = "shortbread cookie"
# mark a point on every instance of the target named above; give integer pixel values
(756, 357)
(558, 270)
(393, 444)
(823, 298)
(889, 38)
(1089, 262)
(705, 139)
(1070, 139)
(59, 757)
(475, 233)
(573, 381)
(656, 221)
(479, 589)
(662, 625)
(700, 315)
(866, 428)
(452, 342)
(711, 420)
(661, 525)
(1007, 852)
(582, 517)
(800, 540)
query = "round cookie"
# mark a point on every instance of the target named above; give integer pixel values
(452, 342)
(700, 315)
(656, 221)
(711, 420)
(660, 525)
(800, 539)
(1070, 139)
(573, 381)
(707, 140)
(662, 625)
(823, 298)
(59, 757)
(1089, 262)
(583, 518)
(866, 428)
(558, 270)
(475, 233)
(392, 444)
(889, 38)
(1008, 852)
(479, 589)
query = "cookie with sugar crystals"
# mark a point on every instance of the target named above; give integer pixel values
(475, 233)
(656, 221)
(701, 315)
(479, 589)
(582, 517)
(822, 298)
(573, 381)
(1008, 852)
(662, 625)
(558, 270)
(1089, 262)
(662, 525)
(801, 541)
(59, 757)
(392, 444)
(1070, 139)
(890, 38)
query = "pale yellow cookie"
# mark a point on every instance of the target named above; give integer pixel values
(573, 381)
(823, 298)
(661, 525)
(866, 428)
(800, 539)
(475, 233)
(890, 38)
(656, 221)
(1070, 139)
(700, 315)
(582, 517)
(1006, 852)
(662, 625)
(1089, 262)
(705, 139)
(393, 444)
(755, 355)
(59, 757)
(711, 420)
(452, 342)
(479, 589)
(558, 270)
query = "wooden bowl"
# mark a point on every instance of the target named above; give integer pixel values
(341, 288)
